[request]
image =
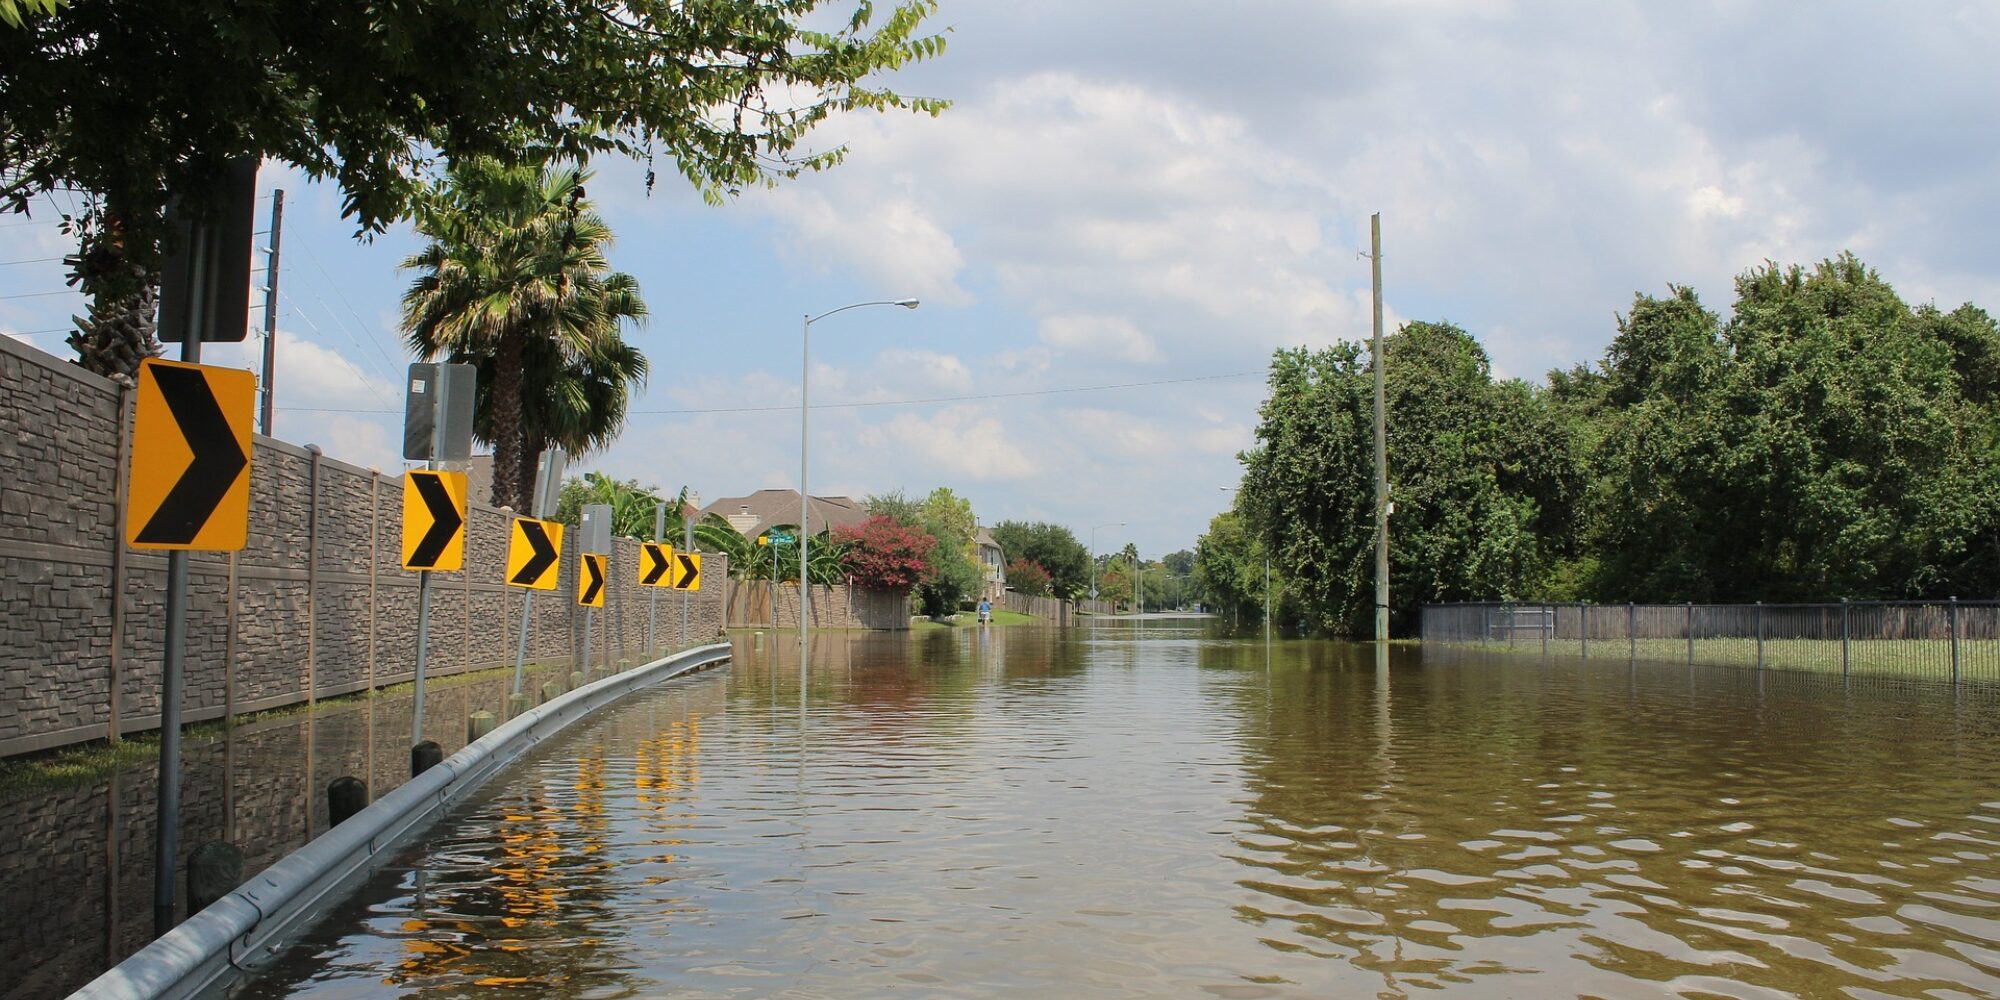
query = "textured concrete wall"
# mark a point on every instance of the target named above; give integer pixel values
(320, 604)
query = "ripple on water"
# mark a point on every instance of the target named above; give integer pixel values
(1095, 815)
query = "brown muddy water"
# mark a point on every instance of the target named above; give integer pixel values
(1158, 811)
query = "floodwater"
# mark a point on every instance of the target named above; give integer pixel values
(1149, 810)
(77, 879)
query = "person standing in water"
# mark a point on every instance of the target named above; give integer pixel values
(985, 611)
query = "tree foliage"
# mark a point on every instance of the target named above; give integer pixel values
(516, 270)
(1052, 547)
(1026, 576)
(1482, 476)
(1824, 440)
(139, 102)
(884, 554)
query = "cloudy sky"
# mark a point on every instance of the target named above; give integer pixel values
(1154, 194)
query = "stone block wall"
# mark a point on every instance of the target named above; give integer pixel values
(316, 605)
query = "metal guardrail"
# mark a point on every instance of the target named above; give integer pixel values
(256, 921)
(1948, 640)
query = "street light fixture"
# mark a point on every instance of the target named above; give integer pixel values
(805, 411)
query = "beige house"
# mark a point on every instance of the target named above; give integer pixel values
(992, 566)
(765, 509)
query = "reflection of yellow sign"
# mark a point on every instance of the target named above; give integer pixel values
(590, 581)
(191, 458)
(433, 520)
(534, 553)
(687, 571)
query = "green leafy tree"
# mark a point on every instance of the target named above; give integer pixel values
(1827, 440)
(1025, 576)
(1229, 567)
(516, 256)
(632, 505)
(1484, 479)
(949, 516)
(142, 101)
(575, 400)
(1052, 547)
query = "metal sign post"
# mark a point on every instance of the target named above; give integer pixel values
(548, 485)
(653, 601)
(594, 529)
(204, 295)
(440, 401)
(687, 545)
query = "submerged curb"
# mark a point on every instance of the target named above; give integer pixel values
(253, 923)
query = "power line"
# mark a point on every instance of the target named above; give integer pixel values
(33, 222)
(41, 295)
(886, 402)
(30, 260)
(342, 296)
(351, 366)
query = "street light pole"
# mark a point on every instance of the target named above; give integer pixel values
(805, 412)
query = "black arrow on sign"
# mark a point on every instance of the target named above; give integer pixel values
(690, 572)
(544, 557)
(656, 564)
(445, 520)
(596, 580)
(218, 459)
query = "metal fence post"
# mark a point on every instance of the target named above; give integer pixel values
(1690, 631)
(1583, 627)
(1845, 631)
(1760, 635)
(1954, 640)
(1632, 629)
(1548, 624)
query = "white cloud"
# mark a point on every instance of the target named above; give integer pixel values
(1110, 336)
(955, 442)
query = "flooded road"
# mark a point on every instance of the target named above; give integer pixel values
(1117, 812)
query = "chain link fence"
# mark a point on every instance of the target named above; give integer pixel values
(1948, 640)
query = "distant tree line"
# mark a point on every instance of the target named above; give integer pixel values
(1825, 440)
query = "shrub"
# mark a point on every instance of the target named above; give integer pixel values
(1026, 576)
(884, 555)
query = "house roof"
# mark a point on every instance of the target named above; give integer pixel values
(985, 538)
(760, 511)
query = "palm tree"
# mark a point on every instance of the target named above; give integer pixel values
(575, 400)
(516, 259)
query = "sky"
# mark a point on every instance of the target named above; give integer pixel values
(1132, 203)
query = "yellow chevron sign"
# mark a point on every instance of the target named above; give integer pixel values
(534, 554)
(590, 583)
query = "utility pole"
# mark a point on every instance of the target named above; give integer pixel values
(1381, 445)
(271, 308)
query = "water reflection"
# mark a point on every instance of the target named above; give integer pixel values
(1111, 812)
(79, 884)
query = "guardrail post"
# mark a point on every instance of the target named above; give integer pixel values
(1845, 631)
(424, 756)
(1632, 629)
(1690, 631)
(214, 869)
(345, 797)
(1760, 635)
(1954, 640)
(1583, 628)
